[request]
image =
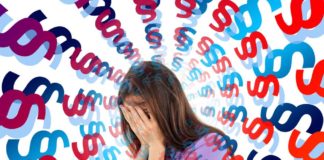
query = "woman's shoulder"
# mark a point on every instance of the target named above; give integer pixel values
(209, 139)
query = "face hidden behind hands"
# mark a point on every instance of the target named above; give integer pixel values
(137, 101)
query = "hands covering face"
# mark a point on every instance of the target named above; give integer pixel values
(146, 129)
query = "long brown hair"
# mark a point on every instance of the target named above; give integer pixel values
(159, 86)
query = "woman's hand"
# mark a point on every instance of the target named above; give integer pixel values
(148, 132)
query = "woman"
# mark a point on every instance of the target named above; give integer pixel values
(157, 119)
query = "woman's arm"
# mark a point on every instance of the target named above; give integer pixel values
(157, 152)
(153, 153)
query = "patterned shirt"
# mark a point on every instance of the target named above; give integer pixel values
(207, 147)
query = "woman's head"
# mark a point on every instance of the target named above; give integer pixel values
(156, 89)
(151, 86)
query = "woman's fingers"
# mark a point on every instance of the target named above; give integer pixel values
(129, 118)
(152, 118)
(143, 116)
(137, 124)
(126, 114)
(137, 119)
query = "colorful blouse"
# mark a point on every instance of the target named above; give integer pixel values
(208, 147)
